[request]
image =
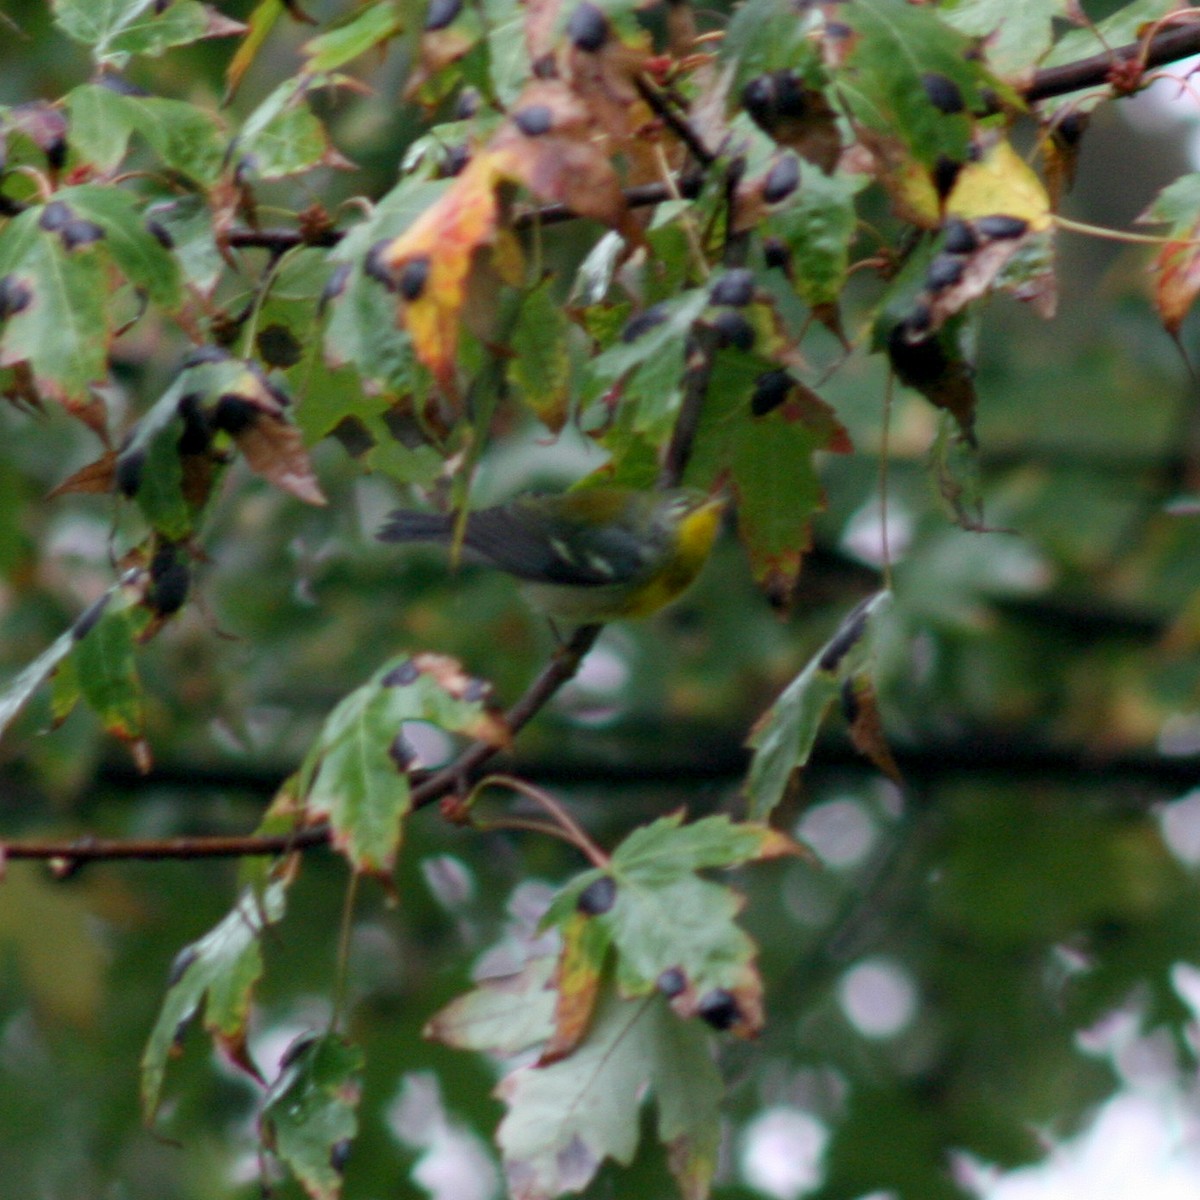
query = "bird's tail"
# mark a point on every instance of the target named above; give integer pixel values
(404, 525)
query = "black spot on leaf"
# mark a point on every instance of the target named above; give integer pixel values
(80, 232)
(129, 471)
(15, 295)
(375, 266)
(959, 237)
(719, 1009)
(848, 635)
(55, 215)
(643, 322)
(278, 346)
(945, 271)
(335, 285)
(234, 414)
(414, 275)
(672, 982)
(944, 94)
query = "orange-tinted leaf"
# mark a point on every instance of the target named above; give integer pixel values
(585, 946)
(430, 262)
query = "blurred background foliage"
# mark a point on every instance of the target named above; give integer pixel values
(985, 956)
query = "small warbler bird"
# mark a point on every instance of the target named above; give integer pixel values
(597, 554)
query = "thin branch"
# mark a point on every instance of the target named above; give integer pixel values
(675, 121)
(453, 778)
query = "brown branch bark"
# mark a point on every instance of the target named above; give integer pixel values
(73, 852)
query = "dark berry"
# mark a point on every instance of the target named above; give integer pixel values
(945, 175)
(959, 237)
(403, 675)
(672, 982)
(734, 330)
(534, 120)
(782, 180)
(413, 277)
(587, 28)
(129, 471)
(776, 253)
(375, 265)
(771, 389)
(55, 215)
(15, 295)
(734, 288)
(440, 13)
(598, 897)
(643, 322)
(80, 232)
(945, 271)
(1000, 227)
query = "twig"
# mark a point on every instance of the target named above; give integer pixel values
(687, 424)
(676, 122)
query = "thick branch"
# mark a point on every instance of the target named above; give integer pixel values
(1166, 46)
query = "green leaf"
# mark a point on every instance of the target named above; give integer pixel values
(64, 329)
(312, 1118)
(220, 972)
(664, 918)
(540, 367)
(509, 69)
(282, 136)
(139, 255)
(1177, 205)
(358, 764)
(785, 734)
(897, 48)
(188, 222)
(186, 138)
(818, 227)
(106, 670)
(362, 32)
(505, 1014)
(117, 29)
(19, 692)
(565, 1119)
(647, 371)
(1016, 33)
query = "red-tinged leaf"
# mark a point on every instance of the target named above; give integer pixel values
(577, 982)
(672, 930)
(861, 706)
(97, 477)
(783, 737)
(553, 144)
(1178, 282)
(218, 972)
(311, 1120)
(566, 1118)
(1177, 263)
(275, 450)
